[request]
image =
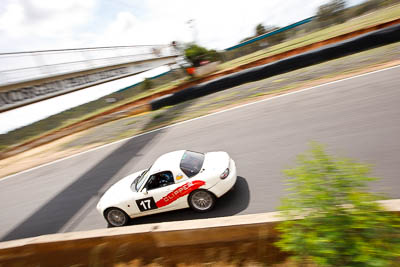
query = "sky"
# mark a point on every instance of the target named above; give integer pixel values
(29, 25)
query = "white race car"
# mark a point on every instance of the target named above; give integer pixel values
(176, 180)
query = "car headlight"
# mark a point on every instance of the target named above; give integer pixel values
(224, 174)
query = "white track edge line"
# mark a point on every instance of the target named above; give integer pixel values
(197, 118)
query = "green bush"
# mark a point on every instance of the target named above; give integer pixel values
(195, 54)
(342, 223)
(147, 84)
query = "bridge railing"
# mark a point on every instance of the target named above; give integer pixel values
(24, 66)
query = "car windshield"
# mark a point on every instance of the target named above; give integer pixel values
(138, 182)
(191, 163)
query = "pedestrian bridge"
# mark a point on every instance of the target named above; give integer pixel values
(27, 77)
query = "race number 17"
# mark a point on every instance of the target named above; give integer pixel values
(146, 204)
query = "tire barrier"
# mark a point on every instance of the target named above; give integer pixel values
(363, 42)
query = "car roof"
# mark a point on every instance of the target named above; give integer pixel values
(168, 162)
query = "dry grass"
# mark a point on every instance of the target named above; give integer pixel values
(379, 16)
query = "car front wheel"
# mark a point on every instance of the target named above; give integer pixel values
(116, 217)
(201, 200)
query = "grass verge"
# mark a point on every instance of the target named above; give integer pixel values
(379, 16)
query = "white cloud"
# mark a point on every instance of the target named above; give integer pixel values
(127, 29)
(218, 24)
(120, 31)
(42, 24)
(11, 20)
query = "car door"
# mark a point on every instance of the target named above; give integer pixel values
(179, 192)
(157, 187)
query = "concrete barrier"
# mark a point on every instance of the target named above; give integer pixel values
(237, 238)
(206, 69)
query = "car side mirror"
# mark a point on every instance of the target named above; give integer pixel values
(144, 191)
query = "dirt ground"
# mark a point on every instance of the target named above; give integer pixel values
(375, 59)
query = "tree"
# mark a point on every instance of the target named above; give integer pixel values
(343, 225)
(331, 12)
(273, 39)
(147, 84)
(365, 7)
(213, 55)
(260, 29)
(195, 54)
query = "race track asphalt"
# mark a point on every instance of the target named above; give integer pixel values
(357, 118)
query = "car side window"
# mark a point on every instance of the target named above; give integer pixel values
(160, 179)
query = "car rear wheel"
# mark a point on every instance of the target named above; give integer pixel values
(201, 200)
(116, 217)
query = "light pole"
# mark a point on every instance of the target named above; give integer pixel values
(192, 25)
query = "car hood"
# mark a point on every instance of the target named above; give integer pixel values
(118, 192)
